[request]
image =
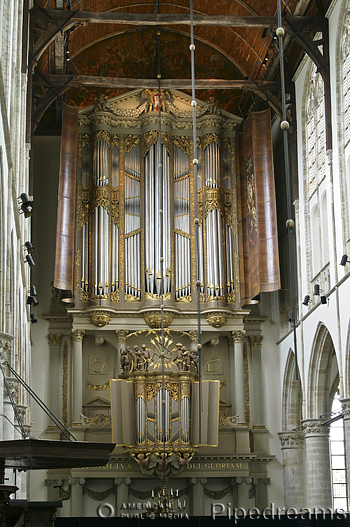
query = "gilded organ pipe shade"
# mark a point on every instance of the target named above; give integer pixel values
(64, 259)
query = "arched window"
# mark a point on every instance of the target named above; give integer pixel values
(340, 496)
(315, 131)
(346, 77)
(315, 188)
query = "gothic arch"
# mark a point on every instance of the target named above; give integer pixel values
(292, 395)
(323, 371)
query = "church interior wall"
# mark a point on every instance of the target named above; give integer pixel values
(322, 332)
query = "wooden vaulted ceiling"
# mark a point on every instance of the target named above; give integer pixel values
(112, 48)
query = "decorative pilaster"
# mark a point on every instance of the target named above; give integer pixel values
(54, 343)
(318, 466)
(76, 497)
(122, 494)
(77, 363)
(293, 469)
(258, 415)
(239, 402)
(198, 496)
(121, 335)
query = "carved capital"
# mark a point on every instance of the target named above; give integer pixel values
(54, 339)
(345, 405)
(313, 427)
(256, 341)
(77, 335)
(5, 349)
(193, 336)
(238, 336)
(121, 334)
(291, 439)
(14, 389)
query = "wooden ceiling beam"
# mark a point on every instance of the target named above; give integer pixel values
(61, 83)
(137, 19)
(77, 81)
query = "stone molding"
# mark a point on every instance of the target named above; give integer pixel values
(291, 439)
(314, 428)
(78, 335)
(256, 341)
(345, 405)
(54, 339)
(238, 336)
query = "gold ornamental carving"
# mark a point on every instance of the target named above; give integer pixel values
(101, 134)
(100, 197)
(132, 298)
(182, 143)
(216, 319)
(154, 320)
(115, 140)
(167, 142)
(85, 205)
(148, 139)
(154, 296)
(79, 206)
(97, 387)
(256, 341)
(121, 335)
(115, 296)
(238, 335)
(193, 336)
(115, 206)
(54, 339)
(213, 200)
(185, 299)
(100, 318)
(231, 297)
(236, 268)
(130, 141)
(211, 138)
(77, 335)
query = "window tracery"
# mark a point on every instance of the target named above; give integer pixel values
(315, 131)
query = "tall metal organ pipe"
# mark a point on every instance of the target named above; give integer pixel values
(153, 228)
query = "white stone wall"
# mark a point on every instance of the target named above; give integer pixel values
(319, 324)
(14, 228)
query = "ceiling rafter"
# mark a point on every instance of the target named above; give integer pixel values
(61, 83)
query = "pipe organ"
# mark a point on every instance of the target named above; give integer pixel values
(135, 199)
(157, 411)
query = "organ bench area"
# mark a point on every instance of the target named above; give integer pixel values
(131, 198)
